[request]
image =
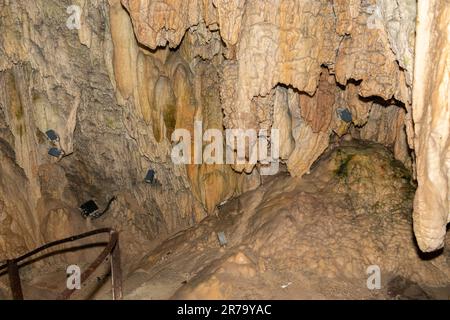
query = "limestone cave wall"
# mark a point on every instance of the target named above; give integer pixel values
(136, 70)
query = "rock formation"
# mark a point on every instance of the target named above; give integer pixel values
(431, 111)
(301, 238)
(116, 79)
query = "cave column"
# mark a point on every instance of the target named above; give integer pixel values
(431, 113)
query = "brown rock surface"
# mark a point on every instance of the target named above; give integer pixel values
(136, 70)
(310, 238)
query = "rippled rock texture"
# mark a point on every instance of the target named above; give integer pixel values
(309, 238)
(117, 87)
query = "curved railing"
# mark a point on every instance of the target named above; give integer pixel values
(111, 250)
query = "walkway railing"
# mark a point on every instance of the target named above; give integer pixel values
(111, 250)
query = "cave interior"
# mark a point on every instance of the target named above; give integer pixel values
(350, 104)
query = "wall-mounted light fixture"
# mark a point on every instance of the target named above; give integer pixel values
(58, 151)
(222, 238)
(345, 115)
(52, 135)
(55, 152)
(150, 177)
(89, 208)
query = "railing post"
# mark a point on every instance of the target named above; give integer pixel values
(112, 250)
(116, 273)
(14, 280)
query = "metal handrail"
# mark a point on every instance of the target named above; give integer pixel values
(112, 249)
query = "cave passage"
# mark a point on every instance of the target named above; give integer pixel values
(255, 149)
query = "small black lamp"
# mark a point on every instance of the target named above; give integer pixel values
(52, 135)
(55, 152)
(89, 208)
(150, 177)
(345, 115)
